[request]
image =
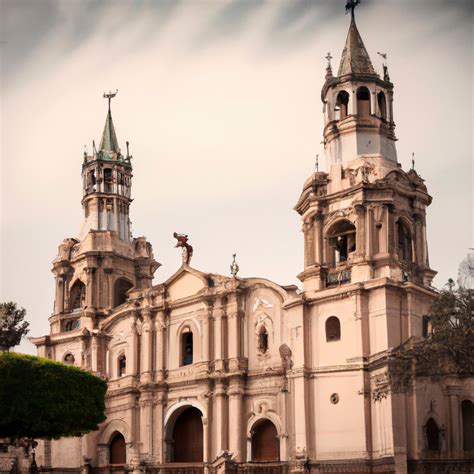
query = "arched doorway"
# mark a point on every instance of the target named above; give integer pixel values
(265, 442)
(117, 450)
(188, 437)
(432, 435)
(467, 408)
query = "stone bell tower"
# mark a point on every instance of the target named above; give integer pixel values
(365, 217)
(95, 271)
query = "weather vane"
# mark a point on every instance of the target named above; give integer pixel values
(350, 5)
(110, 96)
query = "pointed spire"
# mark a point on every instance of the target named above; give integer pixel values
(108, 142)
(355, 58)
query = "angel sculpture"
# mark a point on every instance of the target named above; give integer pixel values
(187, 249)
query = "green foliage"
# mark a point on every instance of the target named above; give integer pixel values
(40, 398)
(12, 326)
(449, 349)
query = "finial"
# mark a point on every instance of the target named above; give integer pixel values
(94, 149)
(316, 164)
(350, 5)
(413, 161)
(110, 96)
(128, 144)
(187, 249)
(234, 267)
(328, 67)
(329, 57)
(386, 77)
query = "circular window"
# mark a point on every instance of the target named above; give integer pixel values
(334, 398)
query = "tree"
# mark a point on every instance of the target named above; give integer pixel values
(12, 326)
(40, 398)
(448, 349)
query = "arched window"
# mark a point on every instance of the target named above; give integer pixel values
(382, 105)
(186, 347)
(77, 295)
(117, 450)
(363, 102)
(265, 443)
(69, 359)
(342, 241)
(342, 102)
(426, 326)
(432, 435)
(467, 408)
(121, 287)
(404, 242)
(263, 340)
(333, 329)
(108, 180)
(188, 437)
(122, 365)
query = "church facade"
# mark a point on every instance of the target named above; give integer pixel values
(213, 373)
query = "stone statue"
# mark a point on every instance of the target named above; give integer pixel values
(187, 249)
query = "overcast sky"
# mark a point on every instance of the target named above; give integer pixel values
(220, 101)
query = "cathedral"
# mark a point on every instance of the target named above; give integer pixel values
(216, 374)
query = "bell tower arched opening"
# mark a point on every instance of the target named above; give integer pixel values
(342, 242)
(404, 241)
(265, 442)
(363, 102)
(342, 102)
(77, 295)
(382, 103)
(120, 294)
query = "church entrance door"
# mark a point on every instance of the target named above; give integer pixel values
(188, 437)
(265, 444)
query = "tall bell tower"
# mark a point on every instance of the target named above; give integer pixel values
(365, 217)
(95, 271)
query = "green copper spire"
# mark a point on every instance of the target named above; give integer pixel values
(109, 143)
(355, 59)
(109, 147)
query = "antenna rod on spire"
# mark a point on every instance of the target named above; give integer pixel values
(110, 96)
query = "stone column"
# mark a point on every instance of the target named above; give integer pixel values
(360, 241)
(147, 349)
(94, 353)
(219, 418)
(236, 419)
(206, 328)
(452, 392)
(158, 427)
(132, 364)
(160, 328)
(308, 230)
(89, 277)
(146, 423)
(233, 332)
(318, 232)
(218, 336)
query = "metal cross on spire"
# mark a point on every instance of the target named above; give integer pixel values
(329, 57)
(350, 5)
(110, 96)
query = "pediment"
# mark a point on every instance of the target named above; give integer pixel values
(184, 283)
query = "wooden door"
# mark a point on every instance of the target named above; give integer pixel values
(265, 444)
(117, 450)
(188, 437)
